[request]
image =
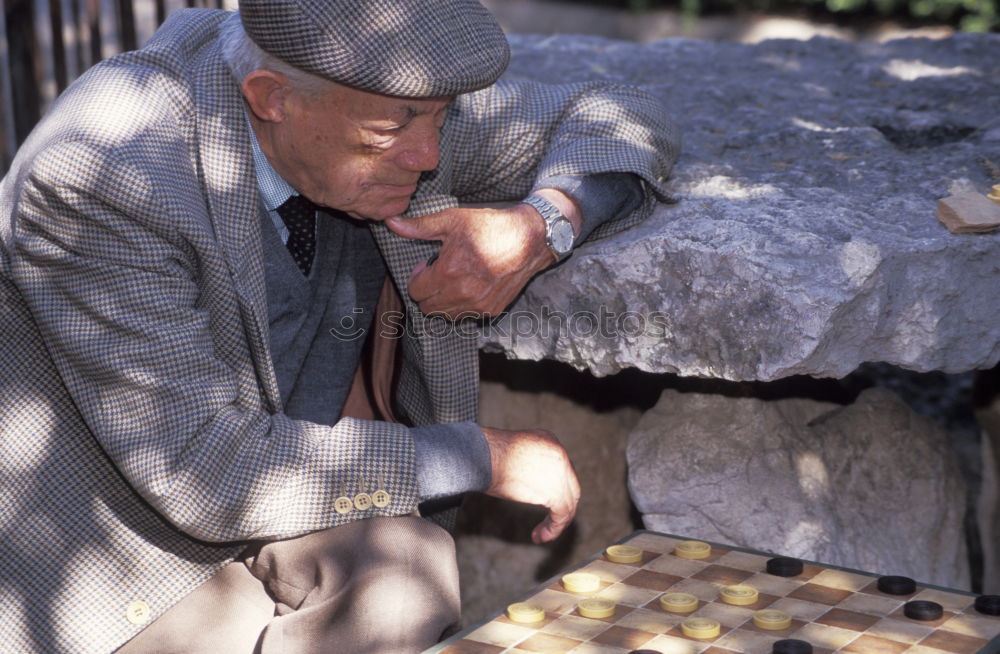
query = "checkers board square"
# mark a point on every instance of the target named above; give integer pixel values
(716, 554)
(607, 572)
(951, 642)
(872, 604)
(674, 565)
(744, 561)
(646, 558)
(949, 600)
(658, 581)
(629, 595)
(975, 624)
(909, 631)
(772, 585)
(472, 647)
(576, 627)
(805, 611)
(809, 571)
(720, 574)
(730, 616)
(543, 642)
(841, 580)
(832, 638)
(874, 645)
(703, 590)
(624, 637)
(822, 594)
(847, 619)
(743, 640)
(653, 619)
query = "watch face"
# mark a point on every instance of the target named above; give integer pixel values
(562, 236)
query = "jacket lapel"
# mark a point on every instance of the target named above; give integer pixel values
(231, 190)
(439, 375)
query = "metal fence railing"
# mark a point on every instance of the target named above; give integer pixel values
(46, 44)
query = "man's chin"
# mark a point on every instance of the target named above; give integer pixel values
(382, 213)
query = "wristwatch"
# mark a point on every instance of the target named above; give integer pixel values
(558, 229)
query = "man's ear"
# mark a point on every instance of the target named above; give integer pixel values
(266, 92)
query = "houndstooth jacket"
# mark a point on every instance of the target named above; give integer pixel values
(142, 439)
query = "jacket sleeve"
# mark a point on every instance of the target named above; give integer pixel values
(143, 323)
(502, 141)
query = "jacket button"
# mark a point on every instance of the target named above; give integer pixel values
(381, 499)
(137, 612)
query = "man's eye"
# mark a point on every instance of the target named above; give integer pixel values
(382, 139)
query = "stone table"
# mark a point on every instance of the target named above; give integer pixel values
(804, 239)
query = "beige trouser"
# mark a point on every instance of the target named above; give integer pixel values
(372, 586)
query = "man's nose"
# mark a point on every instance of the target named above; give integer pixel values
(422, 152)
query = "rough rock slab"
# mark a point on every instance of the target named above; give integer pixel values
(871, 486)
(805, 239)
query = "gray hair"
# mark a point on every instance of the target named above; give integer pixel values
(243, 56)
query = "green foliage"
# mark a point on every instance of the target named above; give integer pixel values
(967, 15)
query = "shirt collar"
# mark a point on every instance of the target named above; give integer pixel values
(273, 189)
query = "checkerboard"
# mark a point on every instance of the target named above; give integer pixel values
(834, 609)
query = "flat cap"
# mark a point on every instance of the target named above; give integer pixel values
(406, 48)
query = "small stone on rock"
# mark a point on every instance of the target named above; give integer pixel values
(968, 212)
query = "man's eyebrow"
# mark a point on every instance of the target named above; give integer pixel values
(409, 111)
(406, 112)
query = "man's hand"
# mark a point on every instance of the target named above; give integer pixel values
(487, 255)
(534, 468)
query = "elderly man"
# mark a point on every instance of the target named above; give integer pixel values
(200, 452)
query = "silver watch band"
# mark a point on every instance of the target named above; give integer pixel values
(558, 229)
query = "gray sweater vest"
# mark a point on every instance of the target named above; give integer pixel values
(319, 323)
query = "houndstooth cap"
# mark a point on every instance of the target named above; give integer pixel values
(407, 48)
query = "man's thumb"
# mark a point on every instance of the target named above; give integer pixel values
(421, 228)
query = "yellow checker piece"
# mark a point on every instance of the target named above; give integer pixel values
(995, 194)
(596, 607)
(772, 619)
(693, 549)
(678, 602)
(525, 613)
(623, 554)
(739, 595)
(701, 628)
(581, 582)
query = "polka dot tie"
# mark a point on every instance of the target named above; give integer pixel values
(299, 215)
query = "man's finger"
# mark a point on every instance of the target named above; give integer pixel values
(549, 528)
(560, 515)
(423, 283)
(432, 227)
